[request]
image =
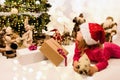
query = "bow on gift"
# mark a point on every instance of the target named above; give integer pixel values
(32, 47)
(63, 54)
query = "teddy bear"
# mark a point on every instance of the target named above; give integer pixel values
(78, 21)
(110, 28)
(2, 33)
(66, 36)
(12, 52)
(83, 65)
(10, 44)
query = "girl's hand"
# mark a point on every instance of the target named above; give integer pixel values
(75, 65)
(92, 70)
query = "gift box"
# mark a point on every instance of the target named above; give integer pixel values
(26, 56)
(54, 51)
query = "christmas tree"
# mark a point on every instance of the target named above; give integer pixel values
(13, 13)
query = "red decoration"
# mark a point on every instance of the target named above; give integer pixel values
(33, 47)
(63, 54)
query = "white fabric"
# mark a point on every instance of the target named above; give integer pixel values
(84, 28)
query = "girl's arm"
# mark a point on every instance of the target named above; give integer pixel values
(102, 65)
(76, 57)
(76, 52)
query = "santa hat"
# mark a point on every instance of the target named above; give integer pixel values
(92, 33)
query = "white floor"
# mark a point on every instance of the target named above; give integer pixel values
(11, 69)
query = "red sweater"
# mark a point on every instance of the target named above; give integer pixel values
(96, 54)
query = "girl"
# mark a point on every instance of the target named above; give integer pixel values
(91, 40)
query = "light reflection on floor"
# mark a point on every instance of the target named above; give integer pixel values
(11, 69)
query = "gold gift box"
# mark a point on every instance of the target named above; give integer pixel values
(50, 49)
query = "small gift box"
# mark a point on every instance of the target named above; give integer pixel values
(26, 56)
(54, 51)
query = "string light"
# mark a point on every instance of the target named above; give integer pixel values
(37, 2)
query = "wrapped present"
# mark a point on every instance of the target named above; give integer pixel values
(54, 51)
(26, 56)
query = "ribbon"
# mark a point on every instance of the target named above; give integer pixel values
(63, 54)
(32, 47)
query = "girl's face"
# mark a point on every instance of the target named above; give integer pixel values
(81, 41)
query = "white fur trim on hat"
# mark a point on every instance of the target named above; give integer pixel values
(84, 28)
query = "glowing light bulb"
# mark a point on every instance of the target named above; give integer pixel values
(37, 2)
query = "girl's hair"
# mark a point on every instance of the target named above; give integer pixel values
(81, 44)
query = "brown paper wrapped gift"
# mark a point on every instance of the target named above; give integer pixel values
(50, 49)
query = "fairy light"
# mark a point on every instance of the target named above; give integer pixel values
(24, 78)
(24, 68)
(15, 62)
(15, 68)
(30, 70)
(38, 75)
(15, 78)
(37, 2)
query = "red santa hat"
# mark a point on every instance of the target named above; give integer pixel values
(92, 33)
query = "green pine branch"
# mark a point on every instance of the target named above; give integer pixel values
(16, 21)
